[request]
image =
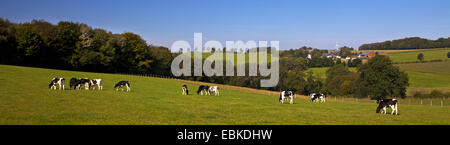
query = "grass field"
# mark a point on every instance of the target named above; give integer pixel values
(26, 99)
(411, 56)
(393, 51)
(425, 77)
(322, 71)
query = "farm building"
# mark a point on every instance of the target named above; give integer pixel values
(370, 54)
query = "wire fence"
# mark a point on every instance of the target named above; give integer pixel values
(432, 102)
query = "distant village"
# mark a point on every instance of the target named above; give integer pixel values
(363, 56)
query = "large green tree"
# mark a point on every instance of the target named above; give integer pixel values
(379, 79)
(64, 43)
(337, 76)
(420, 56)
(29, 44)
(133, 56)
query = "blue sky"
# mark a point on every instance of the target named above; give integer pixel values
(315, 23)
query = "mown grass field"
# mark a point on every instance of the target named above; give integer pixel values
(391, 51)
(26, 99)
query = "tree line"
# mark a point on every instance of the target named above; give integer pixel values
(408, 43)
(76, 46)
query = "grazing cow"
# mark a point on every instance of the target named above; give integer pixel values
(84, 82)
(215, 90)
(57, 81)
(203, 88)
(285, 95)
(185, 90)
(96, 82)
(122, 84)
(322, 98)
(73, 83)
(317, 97)
(383, 104)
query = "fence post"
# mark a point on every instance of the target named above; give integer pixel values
(442, 103)
(431, 102)
(421, 102)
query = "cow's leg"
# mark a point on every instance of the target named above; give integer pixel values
(396, 109)
(292, 100)
(393, 109)
(384, 109)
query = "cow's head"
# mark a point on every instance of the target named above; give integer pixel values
(50, 85)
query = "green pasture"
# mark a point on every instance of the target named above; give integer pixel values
(26, 99)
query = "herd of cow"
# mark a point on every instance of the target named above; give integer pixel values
(207, 90)
(289, 95)
(315, 97)
(77, 84)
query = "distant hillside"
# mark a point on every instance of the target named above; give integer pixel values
(408, 43)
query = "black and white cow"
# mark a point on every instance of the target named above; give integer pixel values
(317, 97)
(96, 82)
(383, 104)
(203, 88)
(57, 81)
(185, 90)
(284, 95)
(73, 83)
(122, 84)
(81, 82)
(215, 90)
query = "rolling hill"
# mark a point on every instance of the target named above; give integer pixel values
(26, 99)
